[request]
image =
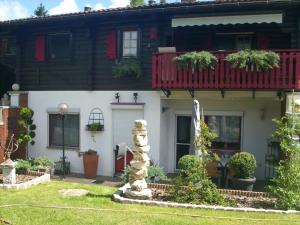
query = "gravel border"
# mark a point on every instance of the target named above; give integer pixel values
(41, 179)
(118, 197)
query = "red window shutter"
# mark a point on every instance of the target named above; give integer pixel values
(111, 45)
(40, 48)
(262, 41)
(153, 33)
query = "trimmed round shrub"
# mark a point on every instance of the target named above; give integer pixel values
(243, 165)
(191, 168)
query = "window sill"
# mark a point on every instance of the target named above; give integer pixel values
(66, 148)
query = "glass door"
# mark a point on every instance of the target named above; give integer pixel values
(183, 137)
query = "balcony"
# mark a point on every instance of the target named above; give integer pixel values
(167, 75)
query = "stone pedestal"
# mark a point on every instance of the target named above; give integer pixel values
(139, 165)
(9, 172)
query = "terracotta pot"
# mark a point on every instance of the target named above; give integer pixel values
(90, 163)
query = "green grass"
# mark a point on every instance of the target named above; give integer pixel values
(108, 212)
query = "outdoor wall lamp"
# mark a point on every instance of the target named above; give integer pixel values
(63, 109)
(117, 96)
(135, 96)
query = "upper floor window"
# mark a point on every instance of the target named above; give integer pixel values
(59, 46)
(229, 41)
(7, 47)
(243, 42)
(130, 43)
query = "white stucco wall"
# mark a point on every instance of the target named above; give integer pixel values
(85, 101)
(255, 130)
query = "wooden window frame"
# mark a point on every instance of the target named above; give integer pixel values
(49, 46)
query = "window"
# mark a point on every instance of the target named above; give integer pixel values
(130, 43)
(71, 130)
(59, 46)
(229, 41)
(243, 42)
(7, 47)
(228, 129)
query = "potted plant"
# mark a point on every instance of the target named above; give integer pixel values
(196, 60)
(127, 67)
(90, 163)
(245, 59)
(95, 127)
(243, 166)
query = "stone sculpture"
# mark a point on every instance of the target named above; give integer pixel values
(139, 164)
(9, 167)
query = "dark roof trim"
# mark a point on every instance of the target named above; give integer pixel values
(168, 7)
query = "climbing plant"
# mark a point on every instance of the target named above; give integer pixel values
(285, 186)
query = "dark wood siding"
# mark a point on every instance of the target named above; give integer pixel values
(90, 69)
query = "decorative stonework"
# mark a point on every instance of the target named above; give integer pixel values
(9, 172)
(42, 179)
(118, 197)
(139, 165)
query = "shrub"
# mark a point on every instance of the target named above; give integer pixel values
(153, 171)
(196, 60)
(243, 165)
(192, 185)
(33, 164)
(285, 186)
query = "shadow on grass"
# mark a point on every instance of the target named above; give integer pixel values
(91, 195)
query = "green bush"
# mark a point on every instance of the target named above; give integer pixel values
(191, 168)
(193, 185)
(243, 165)
(23, 166)
(285, 186)
(153, 171)
(33, 164)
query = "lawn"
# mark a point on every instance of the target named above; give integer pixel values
(42, 205)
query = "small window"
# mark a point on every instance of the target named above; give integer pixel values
(243, 42)
(228, 130)
(130, 43)
(71, 130)
(7, 47)
(59, 46)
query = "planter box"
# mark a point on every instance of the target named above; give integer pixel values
(99, 128)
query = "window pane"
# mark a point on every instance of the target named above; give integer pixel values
(133, 43)
(126, 35)
(134, 35)
(228, 129)
(183, 129)
(59, 46)
(126, 44)
(126, 51)
(71, 130)
(133, 51)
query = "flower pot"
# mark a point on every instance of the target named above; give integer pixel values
(243, 184)
(90, 163)
(99, 127)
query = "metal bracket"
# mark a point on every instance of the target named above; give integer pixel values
(253, 94)
(223, 94)
(166, 92)
(192, 92)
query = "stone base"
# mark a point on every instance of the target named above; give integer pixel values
(142, 195)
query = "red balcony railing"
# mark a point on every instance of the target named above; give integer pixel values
(166, 74)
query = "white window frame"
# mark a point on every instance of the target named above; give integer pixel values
(206, 113)
(130, 46)
(54, 111)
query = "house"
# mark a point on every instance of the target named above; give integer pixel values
(70, 58)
